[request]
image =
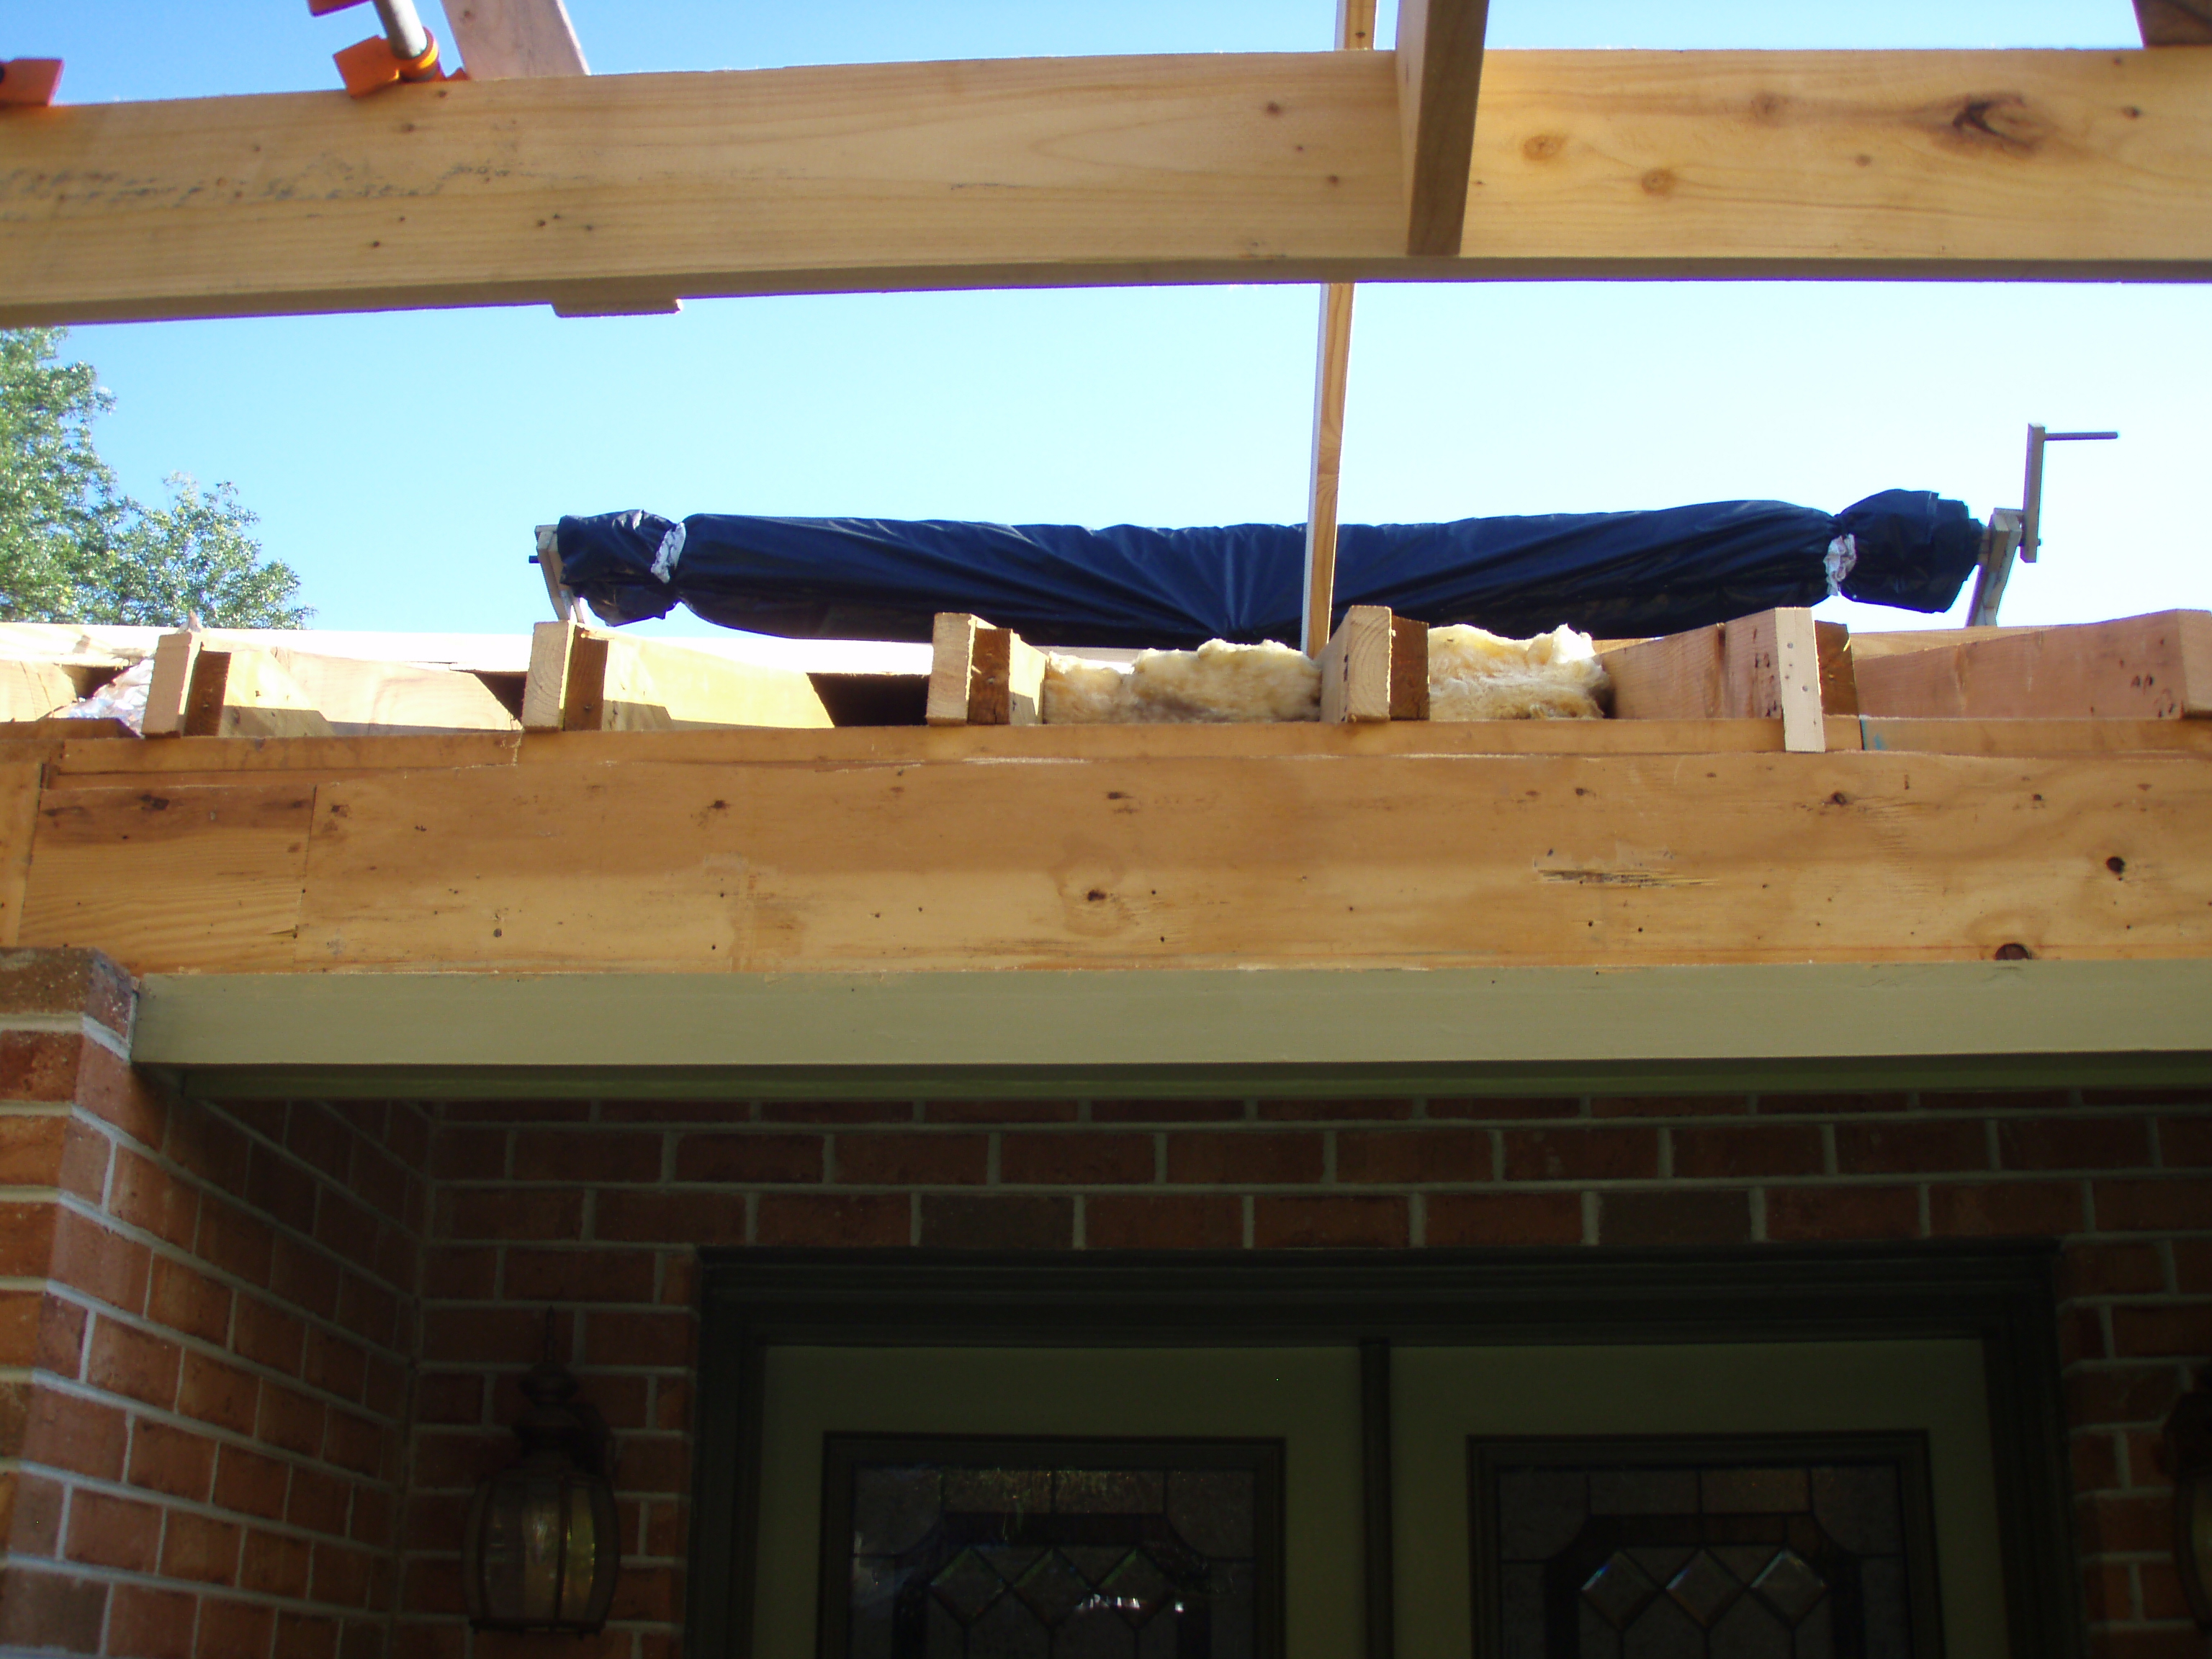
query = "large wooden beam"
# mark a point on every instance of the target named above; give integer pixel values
(1403, 860)
(619, 189)
(1439, 73)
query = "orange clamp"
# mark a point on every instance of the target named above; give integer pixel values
(30, 82)
(371, 65)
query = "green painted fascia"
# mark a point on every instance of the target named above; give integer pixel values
(1161, 1031)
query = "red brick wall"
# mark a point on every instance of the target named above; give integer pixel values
(206, 1328)
(596, 1207)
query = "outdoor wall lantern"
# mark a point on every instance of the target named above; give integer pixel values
(2189, 1460)
(543, 1545)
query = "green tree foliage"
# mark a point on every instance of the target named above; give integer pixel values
(73, 548)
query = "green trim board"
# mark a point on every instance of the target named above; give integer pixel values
(1168, 1031)
(1994, 1302)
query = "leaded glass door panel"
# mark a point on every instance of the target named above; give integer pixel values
(1054, 1502)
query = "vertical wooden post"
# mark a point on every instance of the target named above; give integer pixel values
(1355, 31)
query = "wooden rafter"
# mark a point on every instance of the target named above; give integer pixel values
(2175, 22)
(1439, 59)
(509, 39)
(633, 189)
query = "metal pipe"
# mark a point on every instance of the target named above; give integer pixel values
(402, 28)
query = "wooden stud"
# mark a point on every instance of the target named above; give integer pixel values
(508, 39)
(951, 666)
(1356, 676)
(1770, 670)
(2175, 22)
(1332, 371)
(1088, 170)
(1439, 62)
(175, 656)
(2151, 667)
(1006, 687)
(251, 694)
(545, 693)
(1409, 669)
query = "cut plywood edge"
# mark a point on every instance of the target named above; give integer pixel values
(2151, 667)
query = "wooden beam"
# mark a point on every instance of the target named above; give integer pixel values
(31, 690)
(1356, 681)
(1068, 172)
(582, 680)
(1439, 62)
(1409, 860)
(509, 39)
(2152, 667)
(1778, 665)
(2175, 22)
(249, 694)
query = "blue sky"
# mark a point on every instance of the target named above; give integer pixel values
(1164, 406)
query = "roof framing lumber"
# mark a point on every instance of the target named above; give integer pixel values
(1420, 860)
(1086, 171)
(2175, 22)
(507, 39)
(1439, 58)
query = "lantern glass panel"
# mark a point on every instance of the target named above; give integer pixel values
(542, 1549)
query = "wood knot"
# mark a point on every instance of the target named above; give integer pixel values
(1659, 181)
(2014, 951)
(1545, 146)
(2003, 119)
(1768, 107)
(1274, 108)
(2117, 865)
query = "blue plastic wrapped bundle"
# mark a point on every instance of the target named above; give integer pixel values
(1614, 575)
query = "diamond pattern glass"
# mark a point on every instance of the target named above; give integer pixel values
(1703, 1547)
(1619, 1590)
(961, 1549)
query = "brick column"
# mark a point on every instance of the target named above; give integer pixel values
(205, 1317)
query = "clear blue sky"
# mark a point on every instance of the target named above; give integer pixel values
(1164, 406)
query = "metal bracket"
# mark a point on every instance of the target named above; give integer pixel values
(2017, 530)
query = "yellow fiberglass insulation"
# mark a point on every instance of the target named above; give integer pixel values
(1473, 675)
(1218, 682)
(1477, 676)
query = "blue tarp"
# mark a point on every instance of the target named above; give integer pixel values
(1612, 574)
